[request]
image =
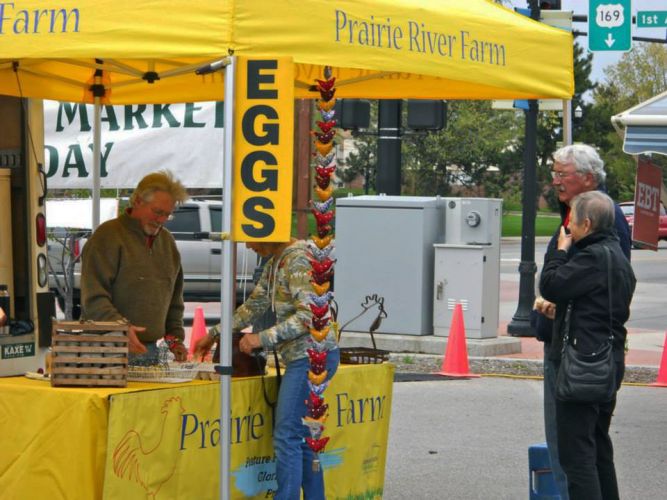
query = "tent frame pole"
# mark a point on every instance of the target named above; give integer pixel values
(227, 289)
(97, 149)
(98, 92)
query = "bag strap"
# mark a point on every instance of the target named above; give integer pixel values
(272, 404)
(608, 259)
(566, 326)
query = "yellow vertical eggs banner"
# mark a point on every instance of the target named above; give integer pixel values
(263, 149)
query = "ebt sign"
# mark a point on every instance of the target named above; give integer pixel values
(647, 204)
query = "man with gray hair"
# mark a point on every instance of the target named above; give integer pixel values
(576, 169)
(581, 288)
(131, 270)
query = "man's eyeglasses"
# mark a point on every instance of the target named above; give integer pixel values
(162, 214)
(559, 175)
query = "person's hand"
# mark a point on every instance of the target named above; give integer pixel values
(249, 342)
(550, 310)
(135, 346)
(203, 346)
(564, 240)
(179, 351)
(545, 307)
(3, 317)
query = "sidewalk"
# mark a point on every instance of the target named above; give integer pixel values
(645, 345)
(420, 357)
(416, 355)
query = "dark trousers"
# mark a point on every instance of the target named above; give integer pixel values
(585, 448)
(550, 426)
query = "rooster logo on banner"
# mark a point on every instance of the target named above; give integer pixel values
(150, 462)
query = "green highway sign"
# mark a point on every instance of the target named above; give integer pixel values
(652, 19)
(609, 25)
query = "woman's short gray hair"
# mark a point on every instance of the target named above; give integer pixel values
(162, 180)
(585, 160)
(595, 206)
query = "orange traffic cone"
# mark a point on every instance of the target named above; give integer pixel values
(661, 381)
(455, 362)
(198, 330)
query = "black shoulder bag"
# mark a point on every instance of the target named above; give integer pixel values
(587, 378)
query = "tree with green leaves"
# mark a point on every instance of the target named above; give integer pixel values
(549, 124)
(478, 137)
(475, 139)
(361, 161)
(640, 75)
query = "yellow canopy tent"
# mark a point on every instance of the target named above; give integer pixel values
(148, 50)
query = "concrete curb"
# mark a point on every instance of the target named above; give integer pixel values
(431, 344)
(428, 364)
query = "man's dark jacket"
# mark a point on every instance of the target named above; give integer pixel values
(583, 279)
(543, 325)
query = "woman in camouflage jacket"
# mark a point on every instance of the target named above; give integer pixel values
(284, 287)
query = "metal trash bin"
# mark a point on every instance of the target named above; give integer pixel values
(541, 478)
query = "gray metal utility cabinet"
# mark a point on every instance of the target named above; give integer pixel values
(384, 246)
(467, 267)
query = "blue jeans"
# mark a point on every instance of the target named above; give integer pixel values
(550, 424)
(294, 459)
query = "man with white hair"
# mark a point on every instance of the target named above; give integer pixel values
(131, 270)
(577, 169)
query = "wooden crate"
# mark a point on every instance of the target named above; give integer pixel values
(89, 353)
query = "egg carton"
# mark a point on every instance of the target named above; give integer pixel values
(173, 372)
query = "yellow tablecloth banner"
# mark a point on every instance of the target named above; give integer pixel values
(53, 441)
(162, 441)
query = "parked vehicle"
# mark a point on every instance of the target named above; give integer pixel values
(628, 208)
(194, 226)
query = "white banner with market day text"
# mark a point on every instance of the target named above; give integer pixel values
(186, 138)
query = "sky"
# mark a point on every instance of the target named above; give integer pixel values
(603, 59)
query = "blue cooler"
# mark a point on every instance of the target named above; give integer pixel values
(540, 476)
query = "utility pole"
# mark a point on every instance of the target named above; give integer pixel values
(520, 324)
(302, 182)
(388, 172)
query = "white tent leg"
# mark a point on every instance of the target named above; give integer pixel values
(567, 122)
(227, 289)
(97, 156)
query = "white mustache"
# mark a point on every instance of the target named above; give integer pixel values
(152, 228)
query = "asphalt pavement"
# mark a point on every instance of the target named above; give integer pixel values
(468, 439)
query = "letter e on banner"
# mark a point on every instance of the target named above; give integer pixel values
(647, 204)
(263, 149)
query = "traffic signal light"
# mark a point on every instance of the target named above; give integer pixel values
(549, 4)
(425, 114)
(353, 114)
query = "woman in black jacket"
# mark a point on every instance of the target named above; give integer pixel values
(585, 448)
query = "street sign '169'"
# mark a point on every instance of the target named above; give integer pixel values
(609, 25)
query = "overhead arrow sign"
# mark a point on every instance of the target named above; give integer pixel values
(609, 25)
(609, 41)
